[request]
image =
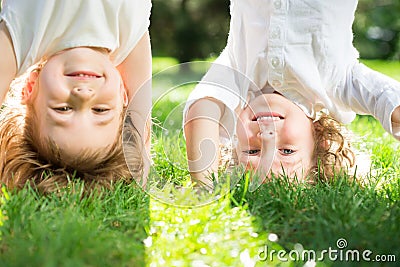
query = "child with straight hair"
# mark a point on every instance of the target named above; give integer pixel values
(78, 64)
(286, 80)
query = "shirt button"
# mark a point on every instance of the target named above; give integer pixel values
(275, 33)
(276, 83)
(277, 4)
(275, 62)
(318, 106)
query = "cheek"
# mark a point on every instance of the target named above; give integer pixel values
(250, 163)
(113, 95)
(243, 133)
(292, 126)
(49, 76)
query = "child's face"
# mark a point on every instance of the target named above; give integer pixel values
(287, 143)
(78, 98)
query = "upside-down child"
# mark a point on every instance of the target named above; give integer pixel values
(83, 62)
(286, 80)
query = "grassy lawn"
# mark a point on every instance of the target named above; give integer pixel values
(128, 227)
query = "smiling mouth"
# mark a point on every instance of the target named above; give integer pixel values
(268, 116)
(84, 75)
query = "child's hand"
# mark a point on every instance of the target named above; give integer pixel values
(396, 123)
(268, 135)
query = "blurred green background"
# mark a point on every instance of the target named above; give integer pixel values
(197, 29)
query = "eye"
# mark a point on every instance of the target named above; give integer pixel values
(100, 110)
(63, 109)
(252, 151)
(287, 151)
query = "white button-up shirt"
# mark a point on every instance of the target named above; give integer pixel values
(41, 28)
(302, 49)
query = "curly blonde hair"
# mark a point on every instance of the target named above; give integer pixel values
(24, 158)
(332, 152)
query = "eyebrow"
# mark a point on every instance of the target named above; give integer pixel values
(53, 119)
(50, 117)
(294, 165)
(105, 121)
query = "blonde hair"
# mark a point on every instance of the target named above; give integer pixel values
(21, 162)
(24, 158)
(333, 154)
(332, 151)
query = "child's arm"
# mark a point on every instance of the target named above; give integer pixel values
(210, 114)
(202, 139)
(370, 92)
(8, 63)
(136, 74)
(396, 123)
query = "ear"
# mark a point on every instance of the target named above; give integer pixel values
(124, 94)
(29, 87)
(126, 99)
(325, 144)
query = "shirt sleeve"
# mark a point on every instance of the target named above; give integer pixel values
(134, 22)
(370, 92)
(225, 84)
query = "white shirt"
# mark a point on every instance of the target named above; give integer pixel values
(303, 50)
(41, 28)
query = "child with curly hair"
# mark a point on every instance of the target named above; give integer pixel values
(83, 62)
(286, 80)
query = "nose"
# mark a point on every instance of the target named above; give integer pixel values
(83, 93)
(266, 129)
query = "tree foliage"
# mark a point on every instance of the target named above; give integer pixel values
(189, 29)
(377, 29)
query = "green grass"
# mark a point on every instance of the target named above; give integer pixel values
(68, 229)
(390, 68)
(127, 227)
(212, 235)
